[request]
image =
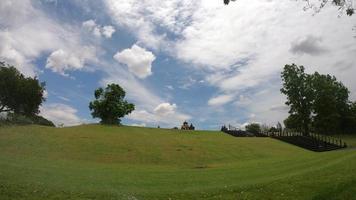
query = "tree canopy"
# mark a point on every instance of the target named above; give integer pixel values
(19, 94)
(109, 104)
(318, 102)
(297, 88)
(253, 128)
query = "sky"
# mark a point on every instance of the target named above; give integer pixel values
(177, 60)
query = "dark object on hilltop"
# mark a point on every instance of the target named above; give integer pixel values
(312, 142)
(109, 104)
(253, 128)
(223, 128)
(226, 2)
(19, 94)
(175, 128)
(233, 131)
(186, 126)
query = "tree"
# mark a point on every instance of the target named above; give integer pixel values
(344, 5)
(109, 104)
(19, 94)
(330, 103)
(253, 128)
(297, 88)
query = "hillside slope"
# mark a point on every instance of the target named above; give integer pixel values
(103, 162)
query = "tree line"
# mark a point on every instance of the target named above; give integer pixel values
(318, 103)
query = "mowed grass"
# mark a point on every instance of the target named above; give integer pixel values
(104, 162)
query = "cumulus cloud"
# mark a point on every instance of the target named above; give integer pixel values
(26, 33)
(137, 59)
(60, 60)
(220, 100)
(98, 30)
(61, 114)
(165, 109)
(308, 45)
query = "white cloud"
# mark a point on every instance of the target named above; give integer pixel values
(98, 30)
(60, 61)
(108, 31)
(165, 109)
(245, 45)
(26, 33)
(220, 100)
(139, 125)
(138, 60)
(61, 114)
(143, 18)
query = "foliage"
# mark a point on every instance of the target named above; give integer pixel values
(18, 119)
(297, 88)
(273, 130)
(109, 104)
(330, 103)
(318, 102)
(253, 128)
(19, 94)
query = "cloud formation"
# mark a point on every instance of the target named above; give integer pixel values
(220, 100)
(97, 30)
(308, 45)
(61, 61)
(60, 114)
(137, 59)
(27, 33)
(243, 47)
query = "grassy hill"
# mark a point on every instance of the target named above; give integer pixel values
(103, 162)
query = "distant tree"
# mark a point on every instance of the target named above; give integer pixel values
(348, 119)
(273, 129)
(292, 123)
(19, 94)
(109, 104)
(253, 128)
(344, 5)
(279, 127)
(297, 88)
(330, 103)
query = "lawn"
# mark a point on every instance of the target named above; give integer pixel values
(104, 162)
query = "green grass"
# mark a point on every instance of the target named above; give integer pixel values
(103, 162)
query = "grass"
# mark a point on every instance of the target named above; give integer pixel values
(103, 162)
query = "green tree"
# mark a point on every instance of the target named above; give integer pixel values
(330, 103)
(19, 94)
(297, 88)
(253, 128)
(348, 119)
(109, 104)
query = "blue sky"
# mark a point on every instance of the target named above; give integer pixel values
(178, 60)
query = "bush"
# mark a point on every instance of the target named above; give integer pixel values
(253, 128)
(17, 119)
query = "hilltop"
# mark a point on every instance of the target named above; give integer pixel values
(109, 162)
